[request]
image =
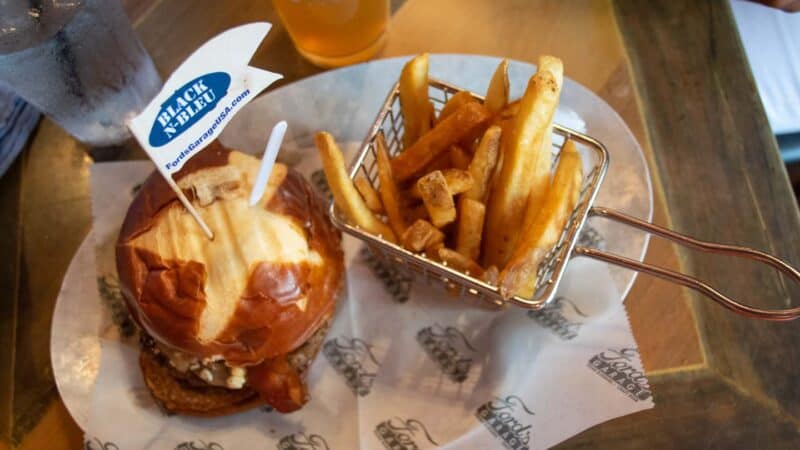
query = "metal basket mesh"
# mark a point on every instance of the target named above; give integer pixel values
(390, 122)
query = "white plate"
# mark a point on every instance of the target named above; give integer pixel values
(345, 102)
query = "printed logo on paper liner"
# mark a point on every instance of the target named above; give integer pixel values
(97, 444)
(397, 283)
(353, 359)
(301, 441)
(199, 445)
(449, 349)
(399, 434)
(590, 237)
(508, 419)
(616, 367)
(109, 290)
(553, 318)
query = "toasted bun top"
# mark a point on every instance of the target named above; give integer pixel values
(267, 281)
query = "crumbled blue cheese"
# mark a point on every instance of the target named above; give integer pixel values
(213, 369)
(206, 375)
(237, 378)
(212, 359)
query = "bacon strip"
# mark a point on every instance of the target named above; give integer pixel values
(278, 384)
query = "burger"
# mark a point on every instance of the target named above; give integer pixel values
(234, 322)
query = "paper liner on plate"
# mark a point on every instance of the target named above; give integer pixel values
(403, 366)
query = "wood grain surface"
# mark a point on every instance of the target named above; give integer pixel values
(9, 285)
(720, 168)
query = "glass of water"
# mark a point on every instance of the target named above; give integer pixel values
(79, 62)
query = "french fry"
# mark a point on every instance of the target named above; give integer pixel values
(470, 227)
(415, 213)
(467, 119)
(483, 163)
(432, 250)
(369, 195)
(458, 181)
(521, 170)
(421, 235)
(491, 275)
(506, 126)
(388, 190)
(344, 192)
(417, 110)
(431, 114)
(441, 162)
(553, 65)
(460, 262)
(505, 118)
(543, 163)
(459, 157)
(455, 102)
(519, 276)
(498, 168)
(437, 198)
(539, 186)
(497, 92)
(510, 110)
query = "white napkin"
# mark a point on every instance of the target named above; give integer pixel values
(771, 40)
(426, 372)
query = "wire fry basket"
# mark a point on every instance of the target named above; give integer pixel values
(595, 158)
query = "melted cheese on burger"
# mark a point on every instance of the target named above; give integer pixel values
(244, 236)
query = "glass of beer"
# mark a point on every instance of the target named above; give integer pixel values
(333, 33)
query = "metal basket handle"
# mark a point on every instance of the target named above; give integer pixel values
(686, 280)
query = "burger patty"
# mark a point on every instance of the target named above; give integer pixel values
(187, 393)
(177, 396)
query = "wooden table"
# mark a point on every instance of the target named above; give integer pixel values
(674, 70)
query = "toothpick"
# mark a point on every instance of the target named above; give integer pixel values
(188, 205)
(267, 161)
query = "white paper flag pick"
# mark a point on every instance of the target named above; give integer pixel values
(199, 99)
(267, 161)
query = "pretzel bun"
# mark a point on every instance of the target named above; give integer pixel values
(262, 287)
